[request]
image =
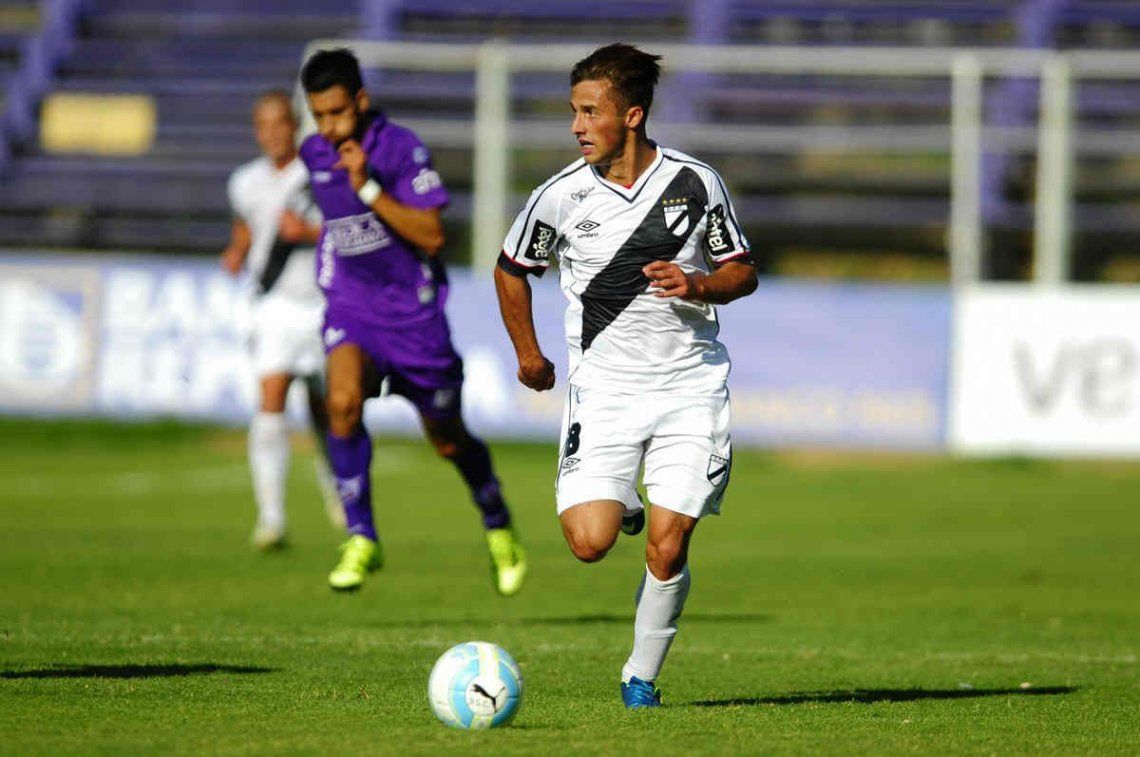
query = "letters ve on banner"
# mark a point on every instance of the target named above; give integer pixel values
(1046, 372)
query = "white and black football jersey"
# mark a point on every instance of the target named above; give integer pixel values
(259, 194)
(621, 337)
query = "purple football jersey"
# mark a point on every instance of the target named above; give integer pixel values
(365, 269)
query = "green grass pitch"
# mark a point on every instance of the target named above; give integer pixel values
(841, 604)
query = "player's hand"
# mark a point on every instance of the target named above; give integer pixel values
(536, 372)
(670, 280)
(291, 228)
(354, 160)
(232, 259)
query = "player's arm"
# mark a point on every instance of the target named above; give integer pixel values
(233, 257)
(729, 282)
(535, 371)
(725, 247)
(420, 226)
(294, 229)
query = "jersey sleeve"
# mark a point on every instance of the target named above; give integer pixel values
(302, 203)
(234, 194)
(411, 179)
(533, 237)
(724, 238)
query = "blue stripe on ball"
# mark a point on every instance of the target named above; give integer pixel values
(458, 688)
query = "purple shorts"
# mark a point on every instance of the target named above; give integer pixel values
(418, 360)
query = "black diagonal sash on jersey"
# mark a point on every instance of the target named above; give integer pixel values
(281, 250)
(278, 256)
(611, 291)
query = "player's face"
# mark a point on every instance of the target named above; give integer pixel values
(274, 129)
(601, 124)
(337, 112)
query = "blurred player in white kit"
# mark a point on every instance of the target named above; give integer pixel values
(275, 229)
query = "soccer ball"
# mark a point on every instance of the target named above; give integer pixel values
(475, 685)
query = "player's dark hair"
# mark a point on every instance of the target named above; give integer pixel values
(331, 68)
(631, 72)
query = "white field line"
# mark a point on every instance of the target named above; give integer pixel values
(212, 479)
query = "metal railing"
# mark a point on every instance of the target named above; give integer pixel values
(492, 135)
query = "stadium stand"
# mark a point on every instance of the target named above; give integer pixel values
(201, 61)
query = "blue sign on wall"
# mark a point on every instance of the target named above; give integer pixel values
(813, 364)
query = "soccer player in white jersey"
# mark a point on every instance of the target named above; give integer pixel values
(274, 230)
(647, 242)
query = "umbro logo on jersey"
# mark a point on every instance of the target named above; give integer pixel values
(586, 227)
(677, 215)
(716, 235)
(322, 177)
(333, 336)
(541, 242)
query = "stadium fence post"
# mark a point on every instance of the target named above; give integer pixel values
(492, 153)
(966, 169)
(1053, 209)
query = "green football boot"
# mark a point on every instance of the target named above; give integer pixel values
(359, 556)
(508, 561)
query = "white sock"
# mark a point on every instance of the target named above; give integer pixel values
(269, 462)
(659, 605)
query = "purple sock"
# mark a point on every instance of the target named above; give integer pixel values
(474, 464)
(350, 460)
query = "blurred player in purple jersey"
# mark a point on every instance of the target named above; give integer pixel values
(385, 290)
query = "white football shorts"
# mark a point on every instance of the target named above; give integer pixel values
(682, 444)
(287, 336)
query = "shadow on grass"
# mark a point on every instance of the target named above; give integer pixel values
(132, 671)
(871, 696)
(575, 620)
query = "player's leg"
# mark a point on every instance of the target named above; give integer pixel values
(660, 600)
(452, 440)
(686, 472)
(603, 442)
(268, 448)
(350, 452)
(591, 528)
(322, 466)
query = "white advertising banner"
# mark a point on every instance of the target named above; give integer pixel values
(1046, 371)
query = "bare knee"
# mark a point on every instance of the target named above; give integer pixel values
(589, 545)
(665, 560)
(344, 408)
(667, 548)
(445, 448)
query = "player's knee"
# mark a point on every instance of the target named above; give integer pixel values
(589, 546)
(344, 410)
(448, 450)
(665, 557)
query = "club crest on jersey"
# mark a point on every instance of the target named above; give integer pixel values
(677, 215)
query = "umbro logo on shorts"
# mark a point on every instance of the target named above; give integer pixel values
(332, 336)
